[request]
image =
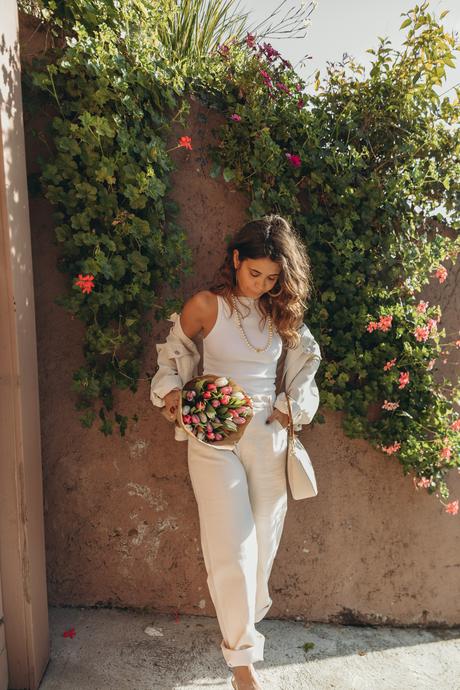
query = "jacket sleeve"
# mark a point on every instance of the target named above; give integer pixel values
(303, 391)
(166, 377)
(177, 348)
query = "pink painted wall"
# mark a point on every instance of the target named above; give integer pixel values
(121, 520)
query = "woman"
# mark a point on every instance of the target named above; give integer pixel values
(256, 308)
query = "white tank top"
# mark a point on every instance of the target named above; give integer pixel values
(225, 352)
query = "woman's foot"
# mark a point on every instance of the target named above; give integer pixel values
(245, 678)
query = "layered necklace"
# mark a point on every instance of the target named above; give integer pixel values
(245, 337)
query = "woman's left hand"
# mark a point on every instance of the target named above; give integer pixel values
(280, 416)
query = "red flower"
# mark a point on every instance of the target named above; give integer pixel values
(85, 282)
(186, 142)
(69, 633)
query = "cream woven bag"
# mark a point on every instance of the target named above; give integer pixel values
(300, 472)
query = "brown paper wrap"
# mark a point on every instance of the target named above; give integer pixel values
(233, 436)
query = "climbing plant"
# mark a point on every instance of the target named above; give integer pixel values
(366, 167)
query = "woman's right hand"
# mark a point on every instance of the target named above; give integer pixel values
(171, 403)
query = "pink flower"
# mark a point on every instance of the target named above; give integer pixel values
(452, 507)
(250, 40)
(207, 395)
(300, 103)
(390, 364)
(226, 390)
(235, 117)
(445, 452)
(430, 364)
(391, 449)
(190, 395)
(200, 405)
(215, 403)
(423, 482)
(225, 399)
(283, 87)
(266, 78)
(403, 379)
(298, 87)
(390, 405)
(457, 343)
(187, 418)
(432, 324)
(422, 333)
(211, 387)
(385, 323)
(294, 159)
(441, 273)
(422, 306)
(455, 426)
(219, 437)
(195, 419)
(269, 51)
(211, 435)
(239, 420)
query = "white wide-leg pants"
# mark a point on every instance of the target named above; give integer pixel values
(242, 501)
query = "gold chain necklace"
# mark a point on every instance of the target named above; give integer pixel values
(244, 336)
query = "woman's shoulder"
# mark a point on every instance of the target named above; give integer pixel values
(197, 312)
(203, 301)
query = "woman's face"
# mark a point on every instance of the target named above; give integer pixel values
(255, 276)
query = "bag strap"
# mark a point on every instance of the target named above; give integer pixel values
(291, 423)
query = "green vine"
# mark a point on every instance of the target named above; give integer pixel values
(368, 171)
(109, 179)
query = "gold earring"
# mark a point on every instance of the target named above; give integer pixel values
(277, 294)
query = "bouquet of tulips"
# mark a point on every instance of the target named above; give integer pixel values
(214, 409)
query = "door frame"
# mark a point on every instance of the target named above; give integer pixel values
(24, 617)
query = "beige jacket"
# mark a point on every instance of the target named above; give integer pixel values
(178, 360)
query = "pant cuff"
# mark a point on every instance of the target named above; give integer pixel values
(244, 657)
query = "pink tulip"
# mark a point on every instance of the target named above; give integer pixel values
(211, 387)
(215, 403)
(226, 390)
(207, 395)
(239, 420)
(195, 419)
(225, 399)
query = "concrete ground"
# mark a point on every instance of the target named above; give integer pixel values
(116, 649)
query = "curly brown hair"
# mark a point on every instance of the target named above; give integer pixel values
(271, 236)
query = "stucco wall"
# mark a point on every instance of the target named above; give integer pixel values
(121, 520)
